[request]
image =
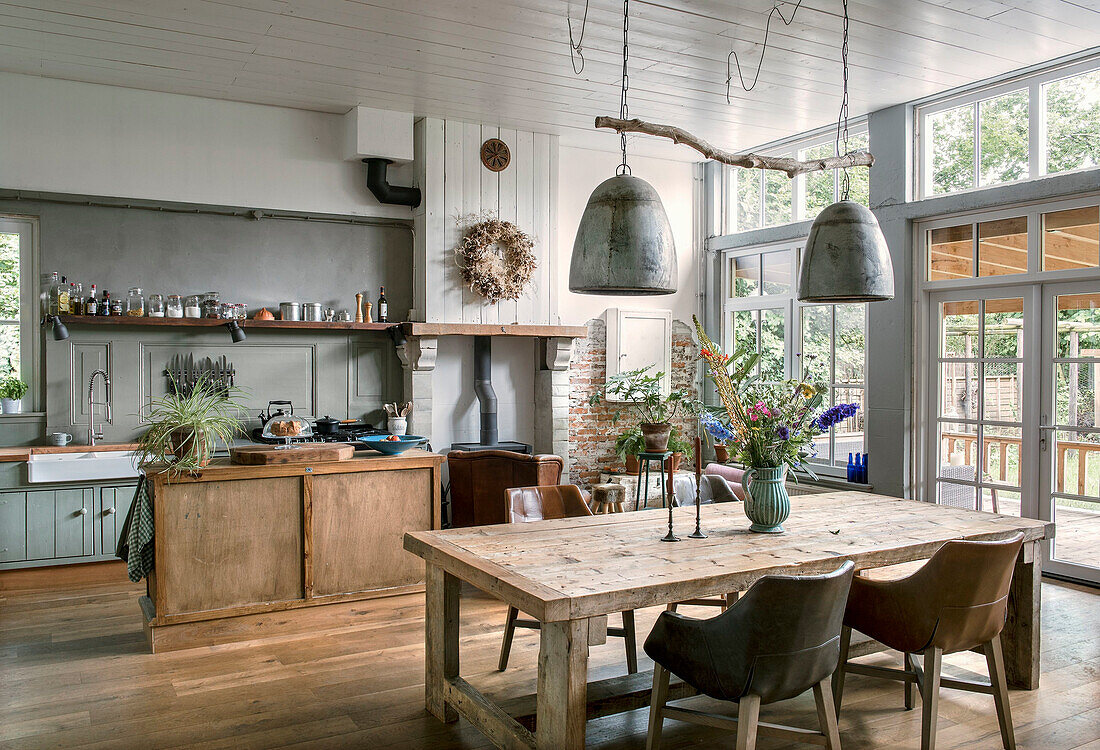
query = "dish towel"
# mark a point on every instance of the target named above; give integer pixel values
(135, 543)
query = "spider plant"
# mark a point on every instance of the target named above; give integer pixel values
(184, 428)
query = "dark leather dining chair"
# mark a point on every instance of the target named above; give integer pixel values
(480, 479)
(957, 601)
(781, 638)
(540, 503)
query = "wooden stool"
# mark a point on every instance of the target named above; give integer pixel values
(608, 498)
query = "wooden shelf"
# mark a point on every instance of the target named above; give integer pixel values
(122, 320)
(409, 329)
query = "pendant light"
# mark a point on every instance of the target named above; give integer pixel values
(624, 242)
(846, 258)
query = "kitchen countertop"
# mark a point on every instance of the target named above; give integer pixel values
(23, 452)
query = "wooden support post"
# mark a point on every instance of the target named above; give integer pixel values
(440, 640)
(562, 685)
(1020, 638)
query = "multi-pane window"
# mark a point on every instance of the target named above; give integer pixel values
(1044, 124)
(821, 344)
(767, 198)
(15, 299)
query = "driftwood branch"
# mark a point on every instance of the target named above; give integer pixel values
(785, 164)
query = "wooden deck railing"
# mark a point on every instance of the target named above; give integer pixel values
(1001, 444)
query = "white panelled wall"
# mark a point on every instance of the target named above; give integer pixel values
(458, 189)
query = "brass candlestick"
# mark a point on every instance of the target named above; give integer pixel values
(359, 307)
(698, 533)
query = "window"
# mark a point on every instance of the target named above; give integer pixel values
(822, 344)
(18, 323)
(766, 198)
(1045, 123)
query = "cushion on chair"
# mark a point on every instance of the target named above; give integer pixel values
(731, 475)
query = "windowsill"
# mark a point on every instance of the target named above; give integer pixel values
(24, 415)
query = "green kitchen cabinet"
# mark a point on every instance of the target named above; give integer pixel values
(114, 504)
(60, 523)
(13, 526)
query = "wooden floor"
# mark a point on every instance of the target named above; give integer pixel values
(74, 672)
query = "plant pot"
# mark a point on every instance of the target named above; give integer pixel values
(632, 464)
(186, 442)
(673, 462)
(766, 501)
(656, 436)
(11, 406)
(721, 454)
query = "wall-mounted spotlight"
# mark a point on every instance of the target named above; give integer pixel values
(235, 331)
(397, 336)
(60, 332)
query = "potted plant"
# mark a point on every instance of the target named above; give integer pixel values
(185, 427)
(12, 390)
(641, 392)
(627, 446)
(775, 425)
(680, 447)
(720, 434)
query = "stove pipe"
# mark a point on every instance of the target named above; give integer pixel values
(483, 387)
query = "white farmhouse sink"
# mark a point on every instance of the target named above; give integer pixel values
(81, 467)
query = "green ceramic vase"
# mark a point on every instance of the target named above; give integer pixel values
(767, 503)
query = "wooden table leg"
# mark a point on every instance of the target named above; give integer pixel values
(1020, 638)
(440, 640)
(562, 685)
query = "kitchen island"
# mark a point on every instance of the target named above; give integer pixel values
(243, 552)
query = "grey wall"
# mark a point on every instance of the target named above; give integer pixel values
(260, 263)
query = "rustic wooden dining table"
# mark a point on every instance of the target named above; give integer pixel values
(571, 573)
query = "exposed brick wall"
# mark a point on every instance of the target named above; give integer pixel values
(592, 434)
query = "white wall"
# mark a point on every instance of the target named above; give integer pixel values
(88, 139)
(579, 171)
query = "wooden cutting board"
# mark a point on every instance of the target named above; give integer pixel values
(263, 455)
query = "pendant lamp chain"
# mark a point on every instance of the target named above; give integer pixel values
(842, 119)
(624, 110)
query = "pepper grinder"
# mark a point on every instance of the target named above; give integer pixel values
(358, 307)
(367, 317)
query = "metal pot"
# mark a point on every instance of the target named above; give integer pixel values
(313, 311)
(326, 425)
(290, 311)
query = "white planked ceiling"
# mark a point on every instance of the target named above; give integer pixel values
(507, 61)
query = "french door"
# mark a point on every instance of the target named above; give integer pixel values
(1015, 413)
(1069, 428)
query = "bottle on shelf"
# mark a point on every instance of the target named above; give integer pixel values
(76, 298)
(52, 297)
(116, 307)
(104, 308)
(91, 303)
(48, 282)
(383, 306)
(62, 297)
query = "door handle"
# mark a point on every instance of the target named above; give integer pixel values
(82, 512)
(109, 511)
(1043, 430)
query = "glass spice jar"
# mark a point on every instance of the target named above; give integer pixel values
(174, 308)
(193, 307)
(211, 305)
(156, 306)
(135, 303)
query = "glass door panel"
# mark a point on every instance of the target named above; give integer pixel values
(1069, 491)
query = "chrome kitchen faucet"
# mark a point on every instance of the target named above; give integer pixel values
(92, 434)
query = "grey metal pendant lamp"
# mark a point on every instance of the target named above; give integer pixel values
(846, 258)
(624, 242)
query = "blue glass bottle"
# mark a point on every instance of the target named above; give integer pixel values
(851, 468)
(857, 470)
(863, 471)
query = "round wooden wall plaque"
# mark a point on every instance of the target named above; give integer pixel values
(495, 155)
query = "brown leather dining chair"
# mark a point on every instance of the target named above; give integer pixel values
(480, 479)
(956, 602)
(780, 639)
(540, 503)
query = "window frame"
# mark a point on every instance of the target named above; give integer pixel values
(790, 147)
(792, 329)
(29, 322)
(1034, 84)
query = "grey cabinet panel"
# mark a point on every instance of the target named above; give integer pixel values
(114, 505)
(59, 523)
(13, 526)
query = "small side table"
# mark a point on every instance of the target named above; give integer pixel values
(644, 460)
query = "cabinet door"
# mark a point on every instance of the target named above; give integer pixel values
(13, 526)
(59, 523)
(640, 338)
(114, 505)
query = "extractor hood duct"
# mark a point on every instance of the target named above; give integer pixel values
(385, 192)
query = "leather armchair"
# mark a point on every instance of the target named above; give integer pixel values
(957, 601)
(528, 504)
(480, 479)
(781, 638)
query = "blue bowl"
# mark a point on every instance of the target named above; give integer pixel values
(382, 444)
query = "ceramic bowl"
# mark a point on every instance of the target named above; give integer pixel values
(385, 443)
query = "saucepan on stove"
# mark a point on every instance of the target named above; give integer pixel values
(326, 425)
